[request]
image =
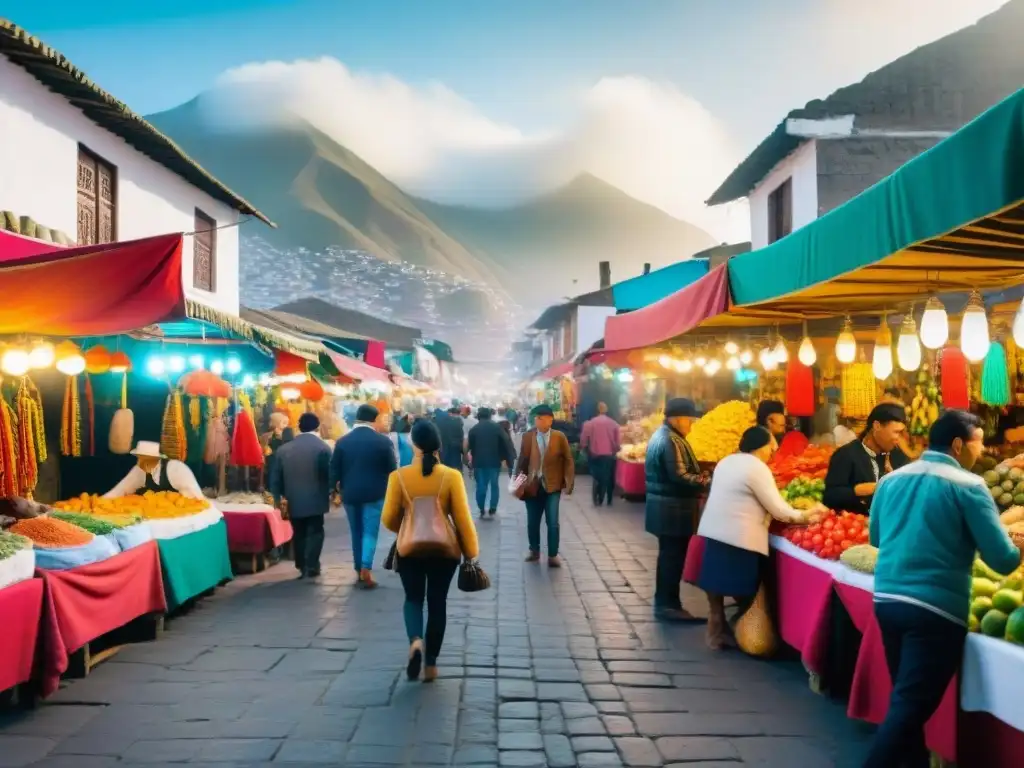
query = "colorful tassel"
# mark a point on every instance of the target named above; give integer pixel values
(995, 380)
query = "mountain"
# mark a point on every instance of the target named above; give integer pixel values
(321, 195)
(565, 233)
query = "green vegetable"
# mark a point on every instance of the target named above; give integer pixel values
(11, 544)
(93, 525)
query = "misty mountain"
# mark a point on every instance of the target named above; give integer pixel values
(322, 196)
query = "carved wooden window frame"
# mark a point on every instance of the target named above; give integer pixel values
(96, 194)
(204, 253)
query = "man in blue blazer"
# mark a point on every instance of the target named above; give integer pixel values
(363, 459)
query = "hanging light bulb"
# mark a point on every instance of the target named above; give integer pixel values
(807, 354)
(712, 367)
(746, 357)
(733, 363)
(70, 360)
(846, 344)
(120, 363)
(41, 355)
(974, 340)
(780, 353)
(701, 361)
(15, 362)
(290, 393)
(934, 324)
(665, 361)
(881, 358)
(767, 359)
(684, 366)
(908, 348)
(731, 347)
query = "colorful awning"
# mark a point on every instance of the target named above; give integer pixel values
(94, 290)
(951, 219)
(670, 317)
(13, 246)
(357, 370)
(643, 290)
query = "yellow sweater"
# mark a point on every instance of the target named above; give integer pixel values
(453, 499)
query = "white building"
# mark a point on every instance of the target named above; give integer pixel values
(77, 161)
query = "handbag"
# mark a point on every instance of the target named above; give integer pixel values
(426, 529)
(473, 578)
(525, 486)
(391, 561)
(755, 632)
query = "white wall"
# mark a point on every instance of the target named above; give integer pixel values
(802, 167)
(39, 136)
(590, 326)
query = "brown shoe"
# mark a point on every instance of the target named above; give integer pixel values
(366, 579)
(554, 562)
(533, 557)
(412, 670)
(429, 674)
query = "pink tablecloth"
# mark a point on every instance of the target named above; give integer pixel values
(802, 601)
(252, 533)
(872, 687)
(21, 606)
(630, 478)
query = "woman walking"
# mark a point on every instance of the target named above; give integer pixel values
(730, 552)
(420, 494)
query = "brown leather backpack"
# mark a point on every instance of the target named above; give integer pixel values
(427, 529)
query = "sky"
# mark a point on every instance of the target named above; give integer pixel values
(482, 102)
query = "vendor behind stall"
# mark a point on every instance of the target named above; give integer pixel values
(856, 468)
(154, 473)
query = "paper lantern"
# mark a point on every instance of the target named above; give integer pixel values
(846, 344)
(908, 348)
(974, 340)
(120, 362)
(69, 358)
(97, 360)
(881, 357)
(15, 362)
(934, 324)
(954, 373)
(203, 383)
(800, 394)
(41, 355)
(246, 450)
(311, 390)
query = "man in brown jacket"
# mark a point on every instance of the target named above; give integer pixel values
(546, 459)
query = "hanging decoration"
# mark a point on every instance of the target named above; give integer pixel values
(858, 393)
(173, 440)
(800, 395)
(89, 417)
(69, 358)
(29, 424)
(846, 344)
(203, 383)
(97, 360)
(974, 338)
(995, 380)
(120, 363)
(15, 361)
(122, 425)
(955, 378)
(70, 420)
(780, 353)
(8, 452)
(934, 324)
(41, 355)
(245, 442)
(881, 357)
(908, 348)
(312, 390)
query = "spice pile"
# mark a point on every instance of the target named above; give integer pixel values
(51, 533)
(159, 505)
(11, 544)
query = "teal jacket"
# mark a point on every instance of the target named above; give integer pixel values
(928, 519)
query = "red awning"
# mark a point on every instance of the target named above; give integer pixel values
(674, 315)
(94, 290)
(556, 370)
(357, 369)
(14, 246)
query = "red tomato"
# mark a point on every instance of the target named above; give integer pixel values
(797, 536)
(845, 544)
(817, 539)
(827, 524)
(838, 535)
(807, 544)
(813, 529)
(863, 538)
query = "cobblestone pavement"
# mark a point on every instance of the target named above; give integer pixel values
(548, 668)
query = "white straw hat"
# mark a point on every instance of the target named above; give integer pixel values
(148, 448)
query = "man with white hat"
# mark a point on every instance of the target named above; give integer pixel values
(155, 473)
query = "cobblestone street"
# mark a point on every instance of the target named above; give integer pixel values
(548, 668)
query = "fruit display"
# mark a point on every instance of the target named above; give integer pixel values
(634, 452)
(239, 497)
(635, 435)
(996, 603)
(924, 406)
(151, 505)
(718, 433)
(860, 557)
(833, 534)
(51, 533)
(811, 464)
(11, 544)
(804, 493)
(1006, 484)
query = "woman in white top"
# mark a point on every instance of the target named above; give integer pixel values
(733, 531)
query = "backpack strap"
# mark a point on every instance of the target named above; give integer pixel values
(401, 482)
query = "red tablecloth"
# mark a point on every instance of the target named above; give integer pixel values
(872, 687)
(252, 533)
(802, 602)
(986, 740)
(21, 606)
(630, 477)
(84, 603)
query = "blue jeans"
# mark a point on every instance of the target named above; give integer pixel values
(486, 478)
(364, 523)
(543, 505)
(602, 471)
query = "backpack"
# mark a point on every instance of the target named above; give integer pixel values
(426, 529)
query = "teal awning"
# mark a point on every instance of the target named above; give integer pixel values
(644, 290)
(948, 220)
